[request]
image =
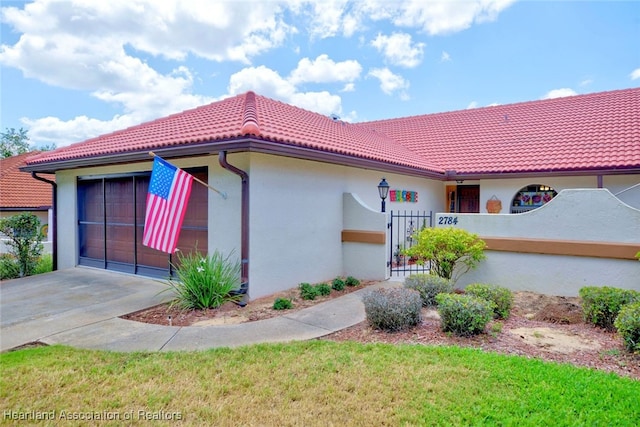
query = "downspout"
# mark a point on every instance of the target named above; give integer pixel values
(54, 202)
(244, 222)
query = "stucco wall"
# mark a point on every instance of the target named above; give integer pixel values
(587, 215)
(364, 260)
(297, 217)
(296, 214)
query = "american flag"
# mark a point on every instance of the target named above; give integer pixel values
(167, 200)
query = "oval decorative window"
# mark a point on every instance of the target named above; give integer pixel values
(532, 197)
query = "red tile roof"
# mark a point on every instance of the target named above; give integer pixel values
(19, 190)
(599, 131)
(595, 131)
(242, 116)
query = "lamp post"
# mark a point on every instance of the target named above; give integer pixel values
(383, 190)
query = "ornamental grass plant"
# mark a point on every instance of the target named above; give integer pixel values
(205, 281)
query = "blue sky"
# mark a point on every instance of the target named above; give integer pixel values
(71, 70)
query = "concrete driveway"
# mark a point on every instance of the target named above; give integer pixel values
(36, 307)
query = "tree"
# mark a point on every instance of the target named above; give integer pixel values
(450, 251)
(13, 142)
(24, 240)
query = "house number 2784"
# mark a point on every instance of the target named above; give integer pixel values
(447, 220)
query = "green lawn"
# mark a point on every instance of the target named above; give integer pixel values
(311, 383)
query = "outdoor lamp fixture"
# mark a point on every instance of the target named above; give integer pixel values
(383, 190)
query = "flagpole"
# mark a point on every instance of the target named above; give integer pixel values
(221, 193)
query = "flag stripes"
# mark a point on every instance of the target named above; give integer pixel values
(167, 200)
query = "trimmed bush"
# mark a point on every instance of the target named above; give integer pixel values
(601, 304)
(501, 297)
(464, 315)
(308, 291)
(628, 325)
(338, 284)
(352, 281)
(323, 289)
(393, 309)
(282, 304)
(428, 285)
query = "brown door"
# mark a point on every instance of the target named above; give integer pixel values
(111, 221)
(468, 198)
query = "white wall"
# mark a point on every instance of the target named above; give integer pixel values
(366, 261)
(593, 215)
(297, 217)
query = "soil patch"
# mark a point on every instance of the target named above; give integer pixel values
(546, 327)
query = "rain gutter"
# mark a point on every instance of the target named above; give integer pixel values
(244, 224)
(54, 207)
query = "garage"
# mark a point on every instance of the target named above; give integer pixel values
(111, 212)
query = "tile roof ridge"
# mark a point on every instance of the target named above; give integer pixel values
(250, 123)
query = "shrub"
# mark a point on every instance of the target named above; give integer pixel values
(450, 251)
(282, 304)
(392, 309)
(308, 291)
(428, 285)
(323, 289)
(501, 297)
(352, 281)
(338, 284)
(45, 264)
(464, 315)
(628, 325)
(601, 304)
(24, 240)
(9, 267)
(205, 282)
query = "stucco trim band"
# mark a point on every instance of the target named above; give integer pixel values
(563, 247)
(362, 236)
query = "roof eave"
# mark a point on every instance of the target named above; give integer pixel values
(245, 144)
(461, 176)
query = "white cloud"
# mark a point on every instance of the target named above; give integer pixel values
(47, 130)
(269, 83)
(132, 54)
(398, 49)
(635, 74)
(445, 57)
(325, 70)
(559, 93)
(586, 82)
(472, 104)
(435, 17)
(390, 83)
(98, 47)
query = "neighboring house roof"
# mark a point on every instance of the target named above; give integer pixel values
(20, 191)
(595, 133)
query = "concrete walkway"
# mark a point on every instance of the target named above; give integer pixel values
(80, 307)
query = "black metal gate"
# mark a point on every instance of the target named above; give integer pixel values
(403, 226)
